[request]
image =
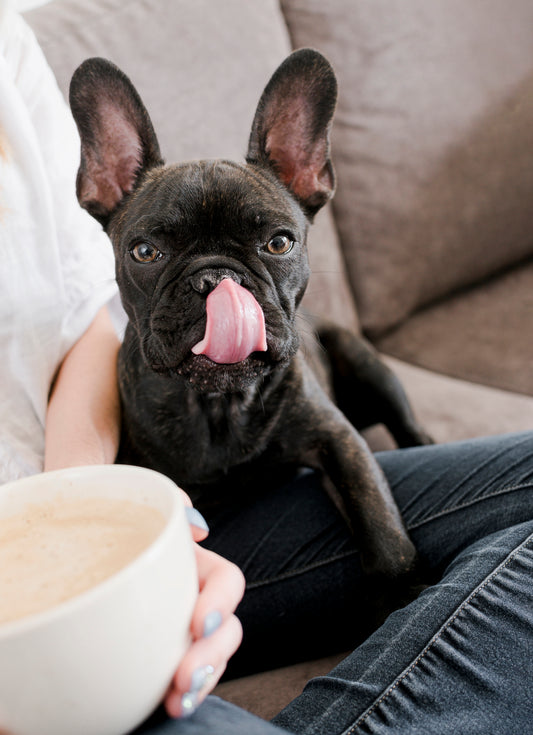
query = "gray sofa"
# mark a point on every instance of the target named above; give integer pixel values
(428, 246)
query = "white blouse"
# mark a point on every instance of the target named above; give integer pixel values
(56, 264)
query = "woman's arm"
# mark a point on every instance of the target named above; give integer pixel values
(83, 418)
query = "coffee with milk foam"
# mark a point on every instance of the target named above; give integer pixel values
(55, 550)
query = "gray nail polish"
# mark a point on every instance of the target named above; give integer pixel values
(212, 622)
(189, 704)
(200, 678)
(195, 518)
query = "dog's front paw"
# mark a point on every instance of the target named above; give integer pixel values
(392, 558)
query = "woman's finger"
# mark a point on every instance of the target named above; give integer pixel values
(202, 667)
(198, 524)
(221, 589)
(183, 705)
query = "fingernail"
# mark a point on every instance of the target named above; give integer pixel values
(195, 518)
(189, 704)
(212, 622)
(200, 678)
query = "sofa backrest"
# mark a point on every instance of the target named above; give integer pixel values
(433, 142)
(200, 67)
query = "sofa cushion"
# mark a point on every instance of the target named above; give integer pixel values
(452, 409)
(185, 58)
(433, 142)
(480, 335)
(268, 692)
(200, 68)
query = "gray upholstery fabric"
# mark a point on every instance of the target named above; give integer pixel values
(433, 143)
(199, 66)
(481, 335)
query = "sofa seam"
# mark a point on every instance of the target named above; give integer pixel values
(527, 542)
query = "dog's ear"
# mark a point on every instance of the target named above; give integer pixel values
(290, 132)
(118, 141)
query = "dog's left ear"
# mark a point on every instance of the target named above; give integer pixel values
(290, 132)
(118, 141)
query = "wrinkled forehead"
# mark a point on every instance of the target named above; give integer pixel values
(211, 194)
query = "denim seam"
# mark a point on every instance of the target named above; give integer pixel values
(446, 511)
(300, 570)
(439, 634)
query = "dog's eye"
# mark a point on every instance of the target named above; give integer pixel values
(279, 245)
(144, 252)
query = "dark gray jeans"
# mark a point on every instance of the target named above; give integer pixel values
(456, 660)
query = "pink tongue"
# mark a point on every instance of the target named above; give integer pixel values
(235, 325)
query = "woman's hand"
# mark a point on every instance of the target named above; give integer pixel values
(216, 632)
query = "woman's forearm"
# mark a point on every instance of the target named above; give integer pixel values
(83, 417)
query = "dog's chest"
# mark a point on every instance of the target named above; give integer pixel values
(223, 425)
(196, 439)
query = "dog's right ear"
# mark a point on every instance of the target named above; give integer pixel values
(118, 142)
(291, 128)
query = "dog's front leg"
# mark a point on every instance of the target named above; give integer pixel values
(344, 457)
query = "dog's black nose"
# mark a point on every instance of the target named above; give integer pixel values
(207, 279)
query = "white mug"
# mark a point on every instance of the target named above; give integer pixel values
(100, 663)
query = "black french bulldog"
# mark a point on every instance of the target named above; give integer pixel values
(211, 264)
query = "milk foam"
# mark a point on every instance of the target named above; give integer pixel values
(52, 551)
